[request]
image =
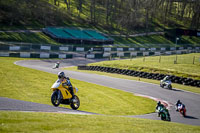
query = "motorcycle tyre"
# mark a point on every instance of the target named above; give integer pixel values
(170, 87)
(163, 116)
(54, 95)
(169, 119)
(183, 113)
(161, 85)
(73, 106)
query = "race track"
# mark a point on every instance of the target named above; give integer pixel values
(191, 100)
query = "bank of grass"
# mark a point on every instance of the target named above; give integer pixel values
(150, 41)
(62, 123)
(160, 64)
(36, 38)
(33, 85)
(178, 86)
(156, 41)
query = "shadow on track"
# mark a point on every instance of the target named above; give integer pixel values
(176, 90)
(190, 117)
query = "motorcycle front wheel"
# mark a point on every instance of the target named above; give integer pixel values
(54, 99)
(163, 116)
(75, 103)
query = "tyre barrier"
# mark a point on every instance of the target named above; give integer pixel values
(155, 76)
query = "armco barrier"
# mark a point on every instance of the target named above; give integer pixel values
(14, 55)
(4, 47)
(48, 47)
(156, 76)
(35, 55)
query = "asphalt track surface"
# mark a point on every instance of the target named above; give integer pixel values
(191, 100)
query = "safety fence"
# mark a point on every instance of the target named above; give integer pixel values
(45, 47)
(144, 54)
(35, 55)
(155, 76)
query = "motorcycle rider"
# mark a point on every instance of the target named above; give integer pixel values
(159, 105)
(166, 78)
(179, 103)
(66, 82)
(57, 64)
(162, 109)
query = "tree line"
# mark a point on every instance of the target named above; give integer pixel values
(125, 15)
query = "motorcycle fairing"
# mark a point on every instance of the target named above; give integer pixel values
(64, 90)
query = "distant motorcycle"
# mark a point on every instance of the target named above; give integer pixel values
(163, 113)
(182, 109)
(166, 84)
(56, 65)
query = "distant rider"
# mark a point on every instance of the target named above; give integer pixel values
(179, 104)
(159, 104)
(166, 79)
(66, 82)
(57, 64)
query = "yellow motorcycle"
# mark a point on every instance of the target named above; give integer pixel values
(61, 95)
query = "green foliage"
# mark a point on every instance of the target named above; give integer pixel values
(33, 85)
(62, 123)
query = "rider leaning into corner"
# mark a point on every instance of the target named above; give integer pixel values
(179, 103)
(66, 82)
(159, 104)
(165, 79)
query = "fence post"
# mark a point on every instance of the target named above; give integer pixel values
(130, 57)
(175, 61)
(193, 59)
(144, 59)
(160, 59)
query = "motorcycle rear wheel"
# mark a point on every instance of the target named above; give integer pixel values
(170, 87)
(75, 105)
(54, 99)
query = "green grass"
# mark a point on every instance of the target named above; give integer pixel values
(150, 41)
(39, 37)
(183, 68)
(156, 41)
(62, 123)
(33, 85)
(179, 86)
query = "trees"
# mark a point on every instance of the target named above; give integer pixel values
(125, 15)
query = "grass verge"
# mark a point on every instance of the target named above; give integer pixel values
(61, 123)
(188, 65)
(33, 85)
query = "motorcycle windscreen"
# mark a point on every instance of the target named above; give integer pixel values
(56, 84)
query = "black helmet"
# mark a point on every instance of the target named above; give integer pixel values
(158, 103)
(61, 75)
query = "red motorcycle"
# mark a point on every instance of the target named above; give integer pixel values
(182, 109)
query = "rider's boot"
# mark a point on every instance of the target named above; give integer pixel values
(73, 96)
